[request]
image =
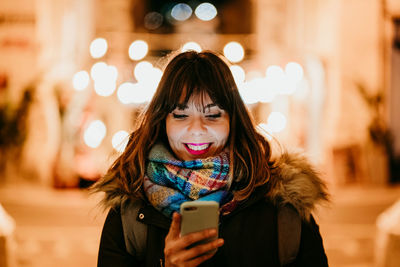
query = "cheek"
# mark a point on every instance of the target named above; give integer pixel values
(173, 132)
(222, 133)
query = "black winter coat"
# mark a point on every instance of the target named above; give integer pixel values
(249, 232)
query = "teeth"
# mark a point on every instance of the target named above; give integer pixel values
(197, 148)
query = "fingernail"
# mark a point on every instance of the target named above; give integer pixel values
(220, 242)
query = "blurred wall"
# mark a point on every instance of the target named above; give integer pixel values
(341, 43)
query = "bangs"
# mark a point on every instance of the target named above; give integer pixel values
(199, 80)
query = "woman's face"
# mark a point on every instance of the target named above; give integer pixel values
(197, 132)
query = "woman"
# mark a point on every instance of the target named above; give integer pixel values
(196, 141)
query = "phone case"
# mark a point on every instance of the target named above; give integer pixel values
(198, 216)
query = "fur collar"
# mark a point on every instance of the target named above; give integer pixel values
(293, 181)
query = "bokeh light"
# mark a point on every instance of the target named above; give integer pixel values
(257, 90)
(238, 73)
(191, 46)
(120, 140)
(275, 72)
(138, 50)
(264, 129)
(294, 72)
(143, 92)
(80, 80)
(153, 20)
(126, 93)
(104, 87)
(157, 75)
(143, 71)
(268, 90)
(276, 79)
(98, 70)
(94, 133)
(249, 92)
(181, 12)
(98, 47)
(148, 78)
(276, 122)
(302, 90)
(206, 11)
(140, 92)
(253, 74)
(234, 52)
(105, 78)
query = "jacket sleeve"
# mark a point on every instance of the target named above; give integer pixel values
(112, 251)
(311, 251)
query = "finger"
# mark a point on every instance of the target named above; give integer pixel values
(172, 236)
(175, 227)
(191, 238)
(196, 252)
(199, 260)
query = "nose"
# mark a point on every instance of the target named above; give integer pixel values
(197, 127)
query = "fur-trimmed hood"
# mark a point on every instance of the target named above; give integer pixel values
(293, 181)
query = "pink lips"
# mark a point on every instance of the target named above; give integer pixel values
(197, 152)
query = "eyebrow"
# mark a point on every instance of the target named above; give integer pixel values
(181, 106)
(185, 106)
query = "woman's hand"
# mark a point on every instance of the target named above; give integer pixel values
(175, 251)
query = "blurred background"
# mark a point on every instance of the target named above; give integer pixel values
(322, 76)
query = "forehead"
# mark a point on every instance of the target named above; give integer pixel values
(199, 101)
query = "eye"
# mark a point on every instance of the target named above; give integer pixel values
(179, 116)
(214, 116)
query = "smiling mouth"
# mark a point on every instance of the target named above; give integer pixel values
(197, 149)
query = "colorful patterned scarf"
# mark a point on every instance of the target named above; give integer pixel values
(170, 182)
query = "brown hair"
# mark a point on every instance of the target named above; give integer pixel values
(192, 73)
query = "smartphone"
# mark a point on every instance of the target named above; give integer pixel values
(198, 216)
